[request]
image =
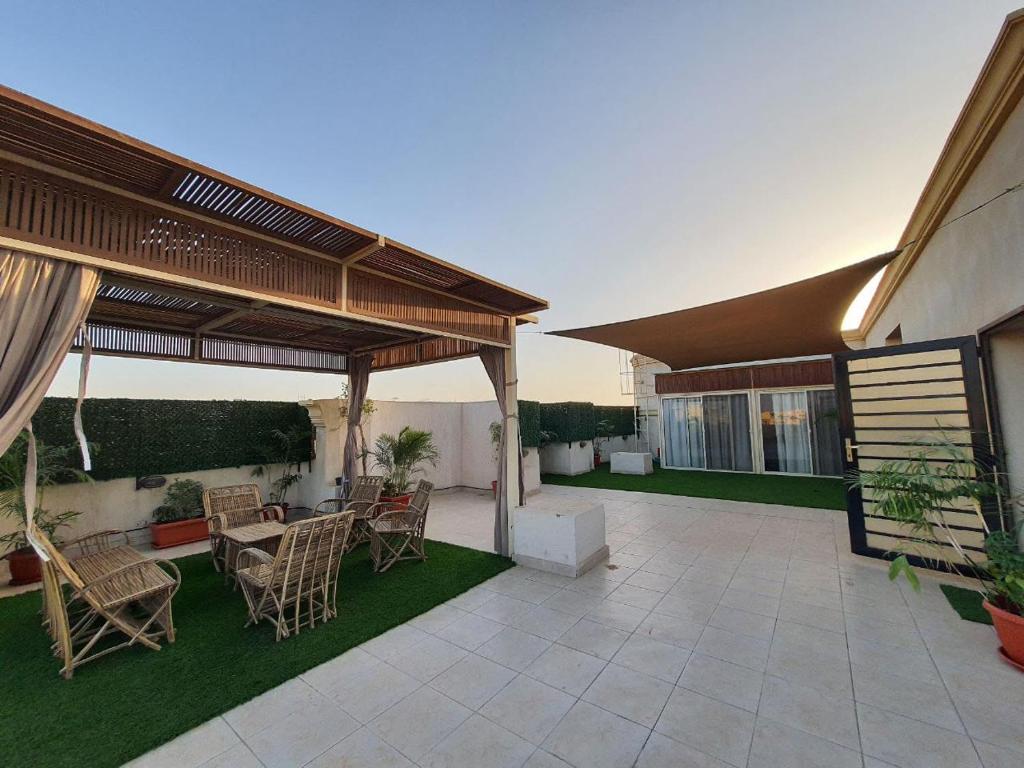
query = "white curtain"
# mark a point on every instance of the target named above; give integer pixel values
(727, 432)
(787, 444)
(358, 382)
(684, 434)
(493, 359)
(43, 302)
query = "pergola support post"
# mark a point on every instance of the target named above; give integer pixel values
(513, 449)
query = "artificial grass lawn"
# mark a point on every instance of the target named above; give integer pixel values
(820, 492)
(124, 704)
(966, 602)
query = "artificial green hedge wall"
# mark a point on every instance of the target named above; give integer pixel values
(568, 421)
(619, 418)
(529, 423)
(133, 438)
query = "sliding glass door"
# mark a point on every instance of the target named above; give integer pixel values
(709, 432)
(684, 433)
(727, 432)
(826, 447)
(785, 438)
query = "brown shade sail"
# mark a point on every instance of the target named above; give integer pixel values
(802, 318)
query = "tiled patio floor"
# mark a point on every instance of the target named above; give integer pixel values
(718, 634)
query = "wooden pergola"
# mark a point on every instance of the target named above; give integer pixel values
(202, 267)
(197, 266)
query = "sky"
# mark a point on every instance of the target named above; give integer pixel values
(619, 159)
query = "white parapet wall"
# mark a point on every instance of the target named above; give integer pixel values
(573, 458)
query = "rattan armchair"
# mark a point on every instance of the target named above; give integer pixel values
(398, 534)
(128, 596)
(298, 586)
(363, 502)
(232, 507)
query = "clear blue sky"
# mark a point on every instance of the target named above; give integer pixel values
(619, 159)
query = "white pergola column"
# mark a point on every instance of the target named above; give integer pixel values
(512, 446)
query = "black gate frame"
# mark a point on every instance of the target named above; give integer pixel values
(974, 392)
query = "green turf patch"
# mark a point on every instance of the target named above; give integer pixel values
(820, 492)
(122, 705)
(966, 602)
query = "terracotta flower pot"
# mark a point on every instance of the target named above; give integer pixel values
(179, 532)
(1010, 630)
(26, 567)
(397, 502)
(494, 488)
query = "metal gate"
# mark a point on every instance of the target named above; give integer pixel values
(894, 400)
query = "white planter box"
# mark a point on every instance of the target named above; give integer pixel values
(567, 458)
(559, 535)
(632, 464)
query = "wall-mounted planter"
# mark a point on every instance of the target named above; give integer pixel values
(179, 532)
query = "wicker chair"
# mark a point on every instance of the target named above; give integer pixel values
(232, 507)
(363, 502)
(299, 585)
(103, 598)
(393, 534)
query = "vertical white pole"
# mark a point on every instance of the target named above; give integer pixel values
(512, 438)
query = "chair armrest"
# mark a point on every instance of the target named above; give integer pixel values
(244, 558)
(217, 523)
(273, 512)
(381, 508)
(98, 541)
(399, 518)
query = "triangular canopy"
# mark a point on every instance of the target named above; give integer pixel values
(802, 318)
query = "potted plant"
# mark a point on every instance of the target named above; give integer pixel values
(495, 432)
(180, 519)
(53, 465)
(604, 431)
(401, 457)
(284, 452)
(914, 492)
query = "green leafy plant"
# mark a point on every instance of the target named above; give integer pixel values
(915, 491)
(401, 457)
(182, 501)
(547, 437)
(54, 464)
(495, 431)
(285, 451)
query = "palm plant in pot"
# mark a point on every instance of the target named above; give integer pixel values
(282, 459)
(401, 457)
(53, 466)
(915, 492)
(180, 519)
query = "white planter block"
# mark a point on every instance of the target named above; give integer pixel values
(559, 535)
(632, 464)
(567, 458)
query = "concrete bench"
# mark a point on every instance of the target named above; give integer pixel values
(632, 463)
(559, 535)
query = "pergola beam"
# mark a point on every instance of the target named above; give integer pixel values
(365, 251)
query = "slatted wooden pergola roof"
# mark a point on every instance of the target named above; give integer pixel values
(200, 266)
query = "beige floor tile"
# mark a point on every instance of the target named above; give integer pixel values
(624, 617)
(428, 658)
(528, 708)
(912, 744)
(478, 742)
(472, 681)
(514, 648)
(590, 737)
(190, 750)
(593, 638)
(916, 699)
(471, 631)
(810, 710)
(652, 657)
(722, 680)
(419, 722)
(566, 669)
(362, 749)
(778, 746)
(743, 622)
(301, 736)
(662, 752)
(739, 649)
(708, 725)
(627, 693)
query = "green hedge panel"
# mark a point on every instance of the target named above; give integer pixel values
(529, 423)
(619, 417)
(569, 421)
(133, 438)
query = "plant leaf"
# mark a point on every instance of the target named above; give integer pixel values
(902, 566)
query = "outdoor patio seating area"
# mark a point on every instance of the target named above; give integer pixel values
(718, 634)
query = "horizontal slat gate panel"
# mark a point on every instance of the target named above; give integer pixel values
(868, 464)
(907, 421)
(964, 504)
(959, 519)
(907, 360)
(888, 543)
(917, 405)
(919, 437)
(974, 538)
(906, 451)
(931, 372)
(916, 389)
(94, 222)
